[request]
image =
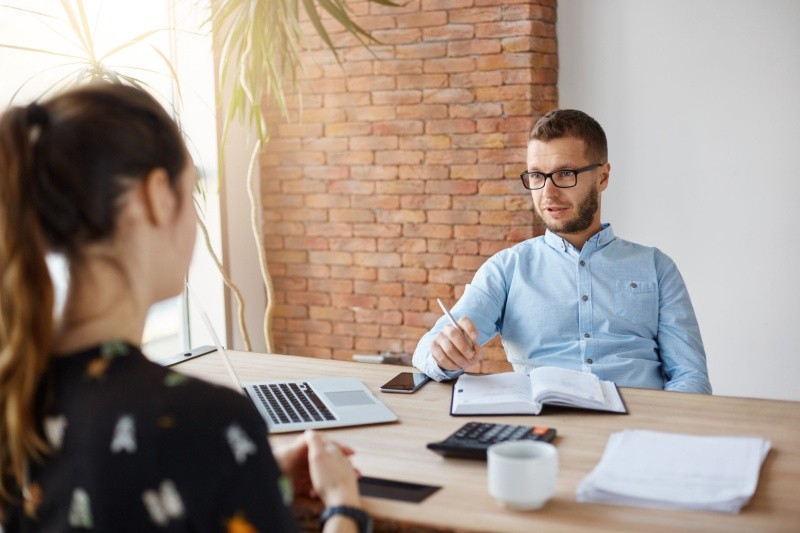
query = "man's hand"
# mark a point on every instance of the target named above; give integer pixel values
(450, 349)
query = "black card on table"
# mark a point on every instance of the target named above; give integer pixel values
(394, 490)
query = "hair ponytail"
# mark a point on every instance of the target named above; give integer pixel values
(26, 299)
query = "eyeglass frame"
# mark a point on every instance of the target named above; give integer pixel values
(550, 176)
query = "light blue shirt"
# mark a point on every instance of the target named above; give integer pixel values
(616, 309)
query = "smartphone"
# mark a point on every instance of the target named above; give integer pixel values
(405, 382)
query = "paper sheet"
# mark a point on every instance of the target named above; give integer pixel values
(655, 469)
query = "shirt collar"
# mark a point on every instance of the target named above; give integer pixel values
(595, 242)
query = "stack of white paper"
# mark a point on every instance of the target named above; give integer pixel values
(654, 469)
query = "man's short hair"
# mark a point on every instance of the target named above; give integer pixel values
(560, 123)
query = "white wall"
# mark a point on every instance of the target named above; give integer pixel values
(700, 100)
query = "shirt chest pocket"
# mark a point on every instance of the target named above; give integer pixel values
(636, 301)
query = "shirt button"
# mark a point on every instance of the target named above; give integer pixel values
(586, 335)
(633, 285)
(584, 297)
(589, 361)
(582, 263)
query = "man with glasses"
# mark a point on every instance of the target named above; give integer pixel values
(577, 297)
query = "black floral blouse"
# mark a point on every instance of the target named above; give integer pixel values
(138, 447)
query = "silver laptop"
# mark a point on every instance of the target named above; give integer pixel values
(300, 404)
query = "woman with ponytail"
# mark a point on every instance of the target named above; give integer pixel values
(92, 434)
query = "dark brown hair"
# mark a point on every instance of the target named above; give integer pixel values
(560, 123)
(64, 166)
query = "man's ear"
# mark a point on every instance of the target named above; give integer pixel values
(604, 176)
(159, 198)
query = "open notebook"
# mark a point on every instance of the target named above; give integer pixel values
(318, 403)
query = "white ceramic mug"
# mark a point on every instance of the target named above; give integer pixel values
(522, 474)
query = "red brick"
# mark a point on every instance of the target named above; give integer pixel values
(333, 341)
(357, 330)
(370, 316)
(425, 142)
(351, 187)
(448, 96)
(492, 247)
(474, 15)
(398, 36)
(430, 231)
(399, 66)
(300, 214)
(402, 245)
(425, 201)
(308, 298)
(468, 263)
(399, 157)
(348, 129)
(427, 172)
(352, 215)
(330, 258)
(312, 272)
(461, 125)
(449, 32)
(371, 113)
(449, 277)
(430, 5)
(332, 229)
(422, 111)
(460, 64)
(320, 326)
(476, 172)
(325, 172)
(420, 50)
(406, 275)
(348, 99)
(325, 144)
(479, 203)
(473, 80)
(404, 304)
(336, 314)
(398, 127)
(400, 187)
(353, 272)
(422, 20)
(502, 156)
(350, 157)
(300, 130)
(307, 243)
(477, 110)
(290, 311)
(354, 301)
(452, 217)
(397, 97)
(378, 201)
(400, 216)
(370, 83)
(334, 286)
(450, 157)
(451, 187)
(376, 230)
(375, 172)
(452, 247)
(421, 81)
(427, 260)
(506, 186)
(427, 290)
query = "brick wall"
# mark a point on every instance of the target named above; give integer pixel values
(400, 176)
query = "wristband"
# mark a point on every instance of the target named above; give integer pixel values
(362, 519)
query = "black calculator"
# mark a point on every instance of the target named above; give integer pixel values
(473, 438)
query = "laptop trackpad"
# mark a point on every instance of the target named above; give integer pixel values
(349, 397)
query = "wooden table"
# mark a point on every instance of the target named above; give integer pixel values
(397, 451)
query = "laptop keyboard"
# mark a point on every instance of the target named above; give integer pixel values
(288, 403)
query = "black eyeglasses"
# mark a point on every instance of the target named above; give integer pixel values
(561, 178)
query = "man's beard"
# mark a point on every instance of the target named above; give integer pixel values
(586, 210)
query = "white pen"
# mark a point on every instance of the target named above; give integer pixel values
(453, 321)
